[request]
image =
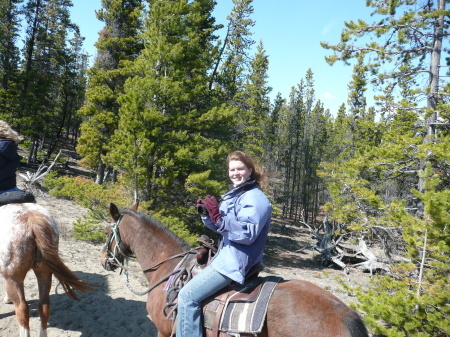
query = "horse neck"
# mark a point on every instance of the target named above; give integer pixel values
(151, 245)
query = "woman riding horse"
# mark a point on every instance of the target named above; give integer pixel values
(243, 220)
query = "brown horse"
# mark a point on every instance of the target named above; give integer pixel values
(29, 240)
(297, 308)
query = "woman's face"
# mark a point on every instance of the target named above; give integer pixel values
(238, 172)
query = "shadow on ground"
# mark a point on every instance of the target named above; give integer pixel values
(96, 314)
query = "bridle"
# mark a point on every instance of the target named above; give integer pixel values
(114, 256)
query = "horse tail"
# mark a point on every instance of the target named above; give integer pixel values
(355, 326)
(47, 243)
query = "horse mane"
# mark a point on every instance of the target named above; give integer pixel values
(149, 220)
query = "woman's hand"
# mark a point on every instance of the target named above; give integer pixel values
(201, 208)
(212, 206)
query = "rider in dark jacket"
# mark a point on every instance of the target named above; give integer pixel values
(9, 158)
(9, 161)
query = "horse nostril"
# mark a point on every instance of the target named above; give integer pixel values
(106, 265)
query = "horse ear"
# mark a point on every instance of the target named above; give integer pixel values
(135, 206)
(114, 211)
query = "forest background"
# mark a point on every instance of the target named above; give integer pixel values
(165, 100)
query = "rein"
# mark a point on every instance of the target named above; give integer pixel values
(114, 259)
(156, 266)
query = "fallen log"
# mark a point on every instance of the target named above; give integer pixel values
(334, 249)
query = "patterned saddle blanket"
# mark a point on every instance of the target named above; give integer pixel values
(240, 310)
(236, 309)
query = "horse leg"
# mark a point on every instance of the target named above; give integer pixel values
(6, 299)
(15, 291)
(44, 278)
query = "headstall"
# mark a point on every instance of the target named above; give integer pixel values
(112, 256)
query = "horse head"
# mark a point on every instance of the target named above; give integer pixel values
(113, 254)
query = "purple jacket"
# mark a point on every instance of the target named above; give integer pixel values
(244, 226)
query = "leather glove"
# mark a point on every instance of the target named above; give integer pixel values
(201, 208)
(212, 206)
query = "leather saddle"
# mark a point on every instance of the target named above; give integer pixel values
(235, 292)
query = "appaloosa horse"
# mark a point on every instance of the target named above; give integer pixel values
(296, 308)
(29, 240)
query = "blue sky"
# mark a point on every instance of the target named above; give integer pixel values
(291, 32)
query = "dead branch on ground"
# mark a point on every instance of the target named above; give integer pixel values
(338, 246)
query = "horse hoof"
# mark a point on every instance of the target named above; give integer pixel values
(43, 333)
(24, 332)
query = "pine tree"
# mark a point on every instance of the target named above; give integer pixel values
(254, 120)
(273, 144)
(341, 142)
(74, 88)
(357, 103)
(357, 88)
(9, 58)
(305, 133)
(274, 147)
(45, 65)
(407, 56)
(118, 44)
(34, 17)
(396, 181)
(413, 300)
(294, 134)
(173, 132)
(234, 56)
(411, 35)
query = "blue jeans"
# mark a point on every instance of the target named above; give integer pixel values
(190, 298)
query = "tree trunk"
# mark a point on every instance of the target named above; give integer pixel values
(29, 55)
(213, 75)
(433, 95)
(100, 173)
